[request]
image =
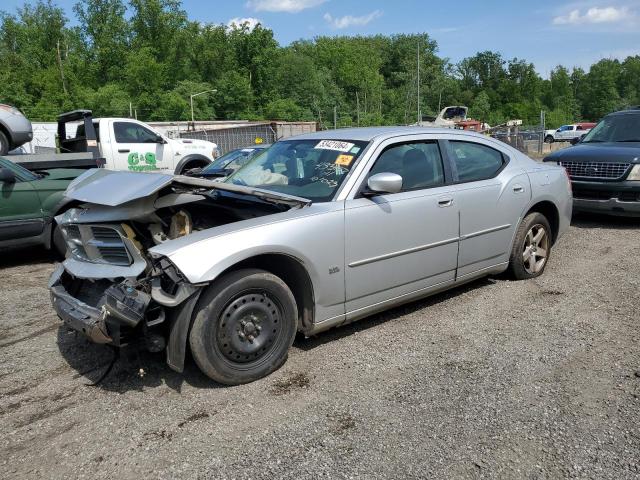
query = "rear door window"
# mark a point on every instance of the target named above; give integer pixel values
(474, 161)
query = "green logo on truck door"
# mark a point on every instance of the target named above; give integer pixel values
(141, 162)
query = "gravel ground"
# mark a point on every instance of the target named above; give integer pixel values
(498, 379)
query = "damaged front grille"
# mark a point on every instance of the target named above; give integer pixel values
(98, 244)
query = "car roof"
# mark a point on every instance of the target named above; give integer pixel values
(369, 133)
(631, 110)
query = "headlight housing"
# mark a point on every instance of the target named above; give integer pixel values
(635, 173)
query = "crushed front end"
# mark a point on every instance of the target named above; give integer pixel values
(112, 292)
(112, 287)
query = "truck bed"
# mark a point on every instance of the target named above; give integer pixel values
(42, 161)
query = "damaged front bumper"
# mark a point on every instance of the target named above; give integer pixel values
(119, 313)
(76, 314)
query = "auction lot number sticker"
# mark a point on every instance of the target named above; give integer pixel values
(336, 145)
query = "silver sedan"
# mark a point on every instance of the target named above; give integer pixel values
(320, 230)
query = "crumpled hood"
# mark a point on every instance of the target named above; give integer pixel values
(111, 188)
(598, 152)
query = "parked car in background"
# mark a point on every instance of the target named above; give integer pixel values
(318, 231)
(566, 133)
(604, 166)
(28, 203)
(15, 129)
(229, 162)
(119, 144)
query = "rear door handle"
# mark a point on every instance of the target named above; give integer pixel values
(445, 201)
(123, 150)
(518, 188)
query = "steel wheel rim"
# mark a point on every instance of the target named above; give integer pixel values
(536, 249)
(249, 327)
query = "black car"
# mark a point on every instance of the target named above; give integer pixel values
(228, 163)
(604, 166)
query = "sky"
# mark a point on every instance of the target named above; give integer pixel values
(544, 32)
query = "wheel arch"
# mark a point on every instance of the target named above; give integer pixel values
(191, 161)
(552, 214)
(292, 272)
(288, 268)
(7, 133)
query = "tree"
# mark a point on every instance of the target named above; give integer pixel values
(480, 108)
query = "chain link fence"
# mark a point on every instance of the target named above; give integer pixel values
(229, 139)
(526, 140)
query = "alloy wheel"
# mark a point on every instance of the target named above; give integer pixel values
(536, 249)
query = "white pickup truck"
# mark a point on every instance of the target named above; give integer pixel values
(119, 144)
(566, 133)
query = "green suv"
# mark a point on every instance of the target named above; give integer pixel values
(28, 203)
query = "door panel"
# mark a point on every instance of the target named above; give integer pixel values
(134, 150)
(491, 197)
(489, 214)
(20, 212)
(397, 244)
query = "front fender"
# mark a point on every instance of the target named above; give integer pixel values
(314, 236)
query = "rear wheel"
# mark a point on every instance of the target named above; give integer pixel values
(549, 139)
(4, 144)
(243, 327)
(531, 248)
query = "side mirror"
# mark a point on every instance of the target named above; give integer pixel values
(159, 139)
(576, 140)
(383, 183)
(7, 176)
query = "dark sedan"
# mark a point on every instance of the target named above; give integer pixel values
(604, 166)
(228, 163)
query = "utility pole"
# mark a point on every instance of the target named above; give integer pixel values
(195, 95)
(64, 83)
(130, 110)
(335, 117)
(358, 107)
(439, 101)
(419, 113)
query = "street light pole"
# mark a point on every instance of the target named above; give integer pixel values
(195, 95)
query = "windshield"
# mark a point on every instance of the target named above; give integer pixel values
(312, 169)
(20, 172)
(233, 160)
(616, 128)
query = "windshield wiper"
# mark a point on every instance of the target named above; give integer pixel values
(592, 141)
(628, 140)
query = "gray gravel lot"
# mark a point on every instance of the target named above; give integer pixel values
(497, 379)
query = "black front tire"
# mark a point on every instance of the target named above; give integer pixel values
(244, 325)
(57, 241)
(4, 144)
(549, 139)
(529, 254)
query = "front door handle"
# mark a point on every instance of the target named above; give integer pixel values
(123, 150)
(518, 188)
(445, 201)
